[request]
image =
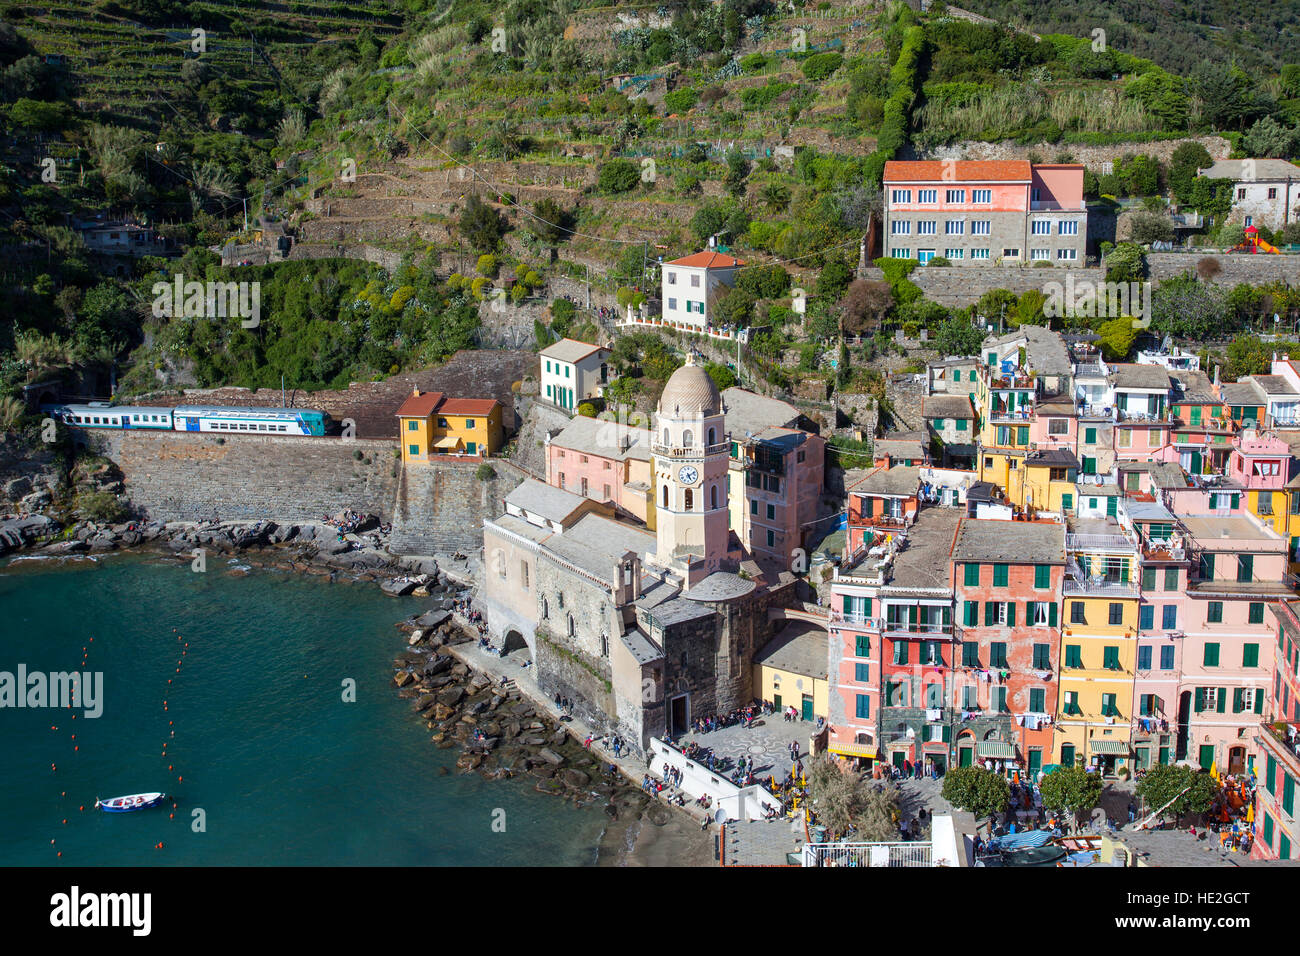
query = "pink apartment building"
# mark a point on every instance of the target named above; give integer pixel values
(604, 461)
(1238, 569)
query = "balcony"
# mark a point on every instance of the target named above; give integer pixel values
(1143, 417)
(1100, 587)
(856, 620)
(1007, 415)
(878, 521)
(908, 629)
(669, 451)
(1012, 381)
(1097, 412)
(1286, 733)
(1098, 542)
(1163, 549)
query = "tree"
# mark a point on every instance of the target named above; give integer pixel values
(1072, 789)
(1148, 227)
(618, 176)
(959, 337)
(737, 170)
(1247, 355)
(1126, 263)
(1268, 138)
(1186, 308)
(764, 282)
(995, 304)
(1183, 164)
(1115, 338)
(722, 376)
(731, 306)
(553, 223)
(1029, 308)
(980, 791)
(1174, 790)
(833, 280)
(481, 225)
(776, 196)
(864, 306)
(845, 801)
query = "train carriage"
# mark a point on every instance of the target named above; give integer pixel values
(236, 420)
(103, 415)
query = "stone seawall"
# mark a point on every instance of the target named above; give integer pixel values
(442, 506)
(177, 476)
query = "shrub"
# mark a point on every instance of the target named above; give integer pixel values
(821, 65)
(485, 472)
(944, 261)
(357, 455)
(680, 101)
(100, 506)
(586, 409)
(753, 62)
(618, 176)
(487, 265)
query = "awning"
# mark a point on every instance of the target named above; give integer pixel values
(1117, 748)
(448, 442)
(853, 750)
(997, 749)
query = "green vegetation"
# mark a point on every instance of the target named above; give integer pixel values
(980, 791)
(1072, 789)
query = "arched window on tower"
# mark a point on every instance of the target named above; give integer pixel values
(712, 438)
(687, 439)
(713, 496)
(690, 499)
(666, 441)
(665, 495)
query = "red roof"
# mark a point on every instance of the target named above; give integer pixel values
(420, 406)
(468, 406)
(707, 260)
(958, 171)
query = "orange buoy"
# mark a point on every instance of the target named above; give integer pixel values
(65, 823)
(82, 809)
(76, 748)
(60, 853)
(179, 779)
(74, 736)
(51, 843)
(171, 816)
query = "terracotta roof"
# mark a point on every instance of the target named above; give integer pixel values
(468, 406)
(960, 171)
(707, 260)
(420, 406)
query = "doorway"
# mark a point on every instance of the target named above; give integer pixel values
(678, 716)
(1237, 760)
(1184, 710)
(1207, 756)
(807, 707)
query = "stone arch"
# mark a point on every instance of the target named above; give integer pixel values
(688, 439)
(689, 500)
(712, 436)
(713, 496)
(514, 641)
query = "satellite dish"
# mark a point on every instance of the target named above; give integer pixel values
(719, 816)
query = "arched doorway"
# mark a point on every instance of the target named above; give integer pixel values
(515, 647)
(965, 749)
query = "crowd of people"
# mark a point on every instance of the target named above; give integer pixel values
(741, 715)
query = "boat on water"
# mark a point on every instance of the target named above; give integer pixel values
(135, 801)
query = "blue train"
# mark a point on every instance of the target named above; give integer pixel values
(221, 420)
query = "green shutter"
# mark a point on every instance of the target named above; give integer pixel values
(972, 578)
(868, 507)
(989, 610)
(1200, 699)
(1090, 436)
(1022, 435)
(1000, 575)
(1042, 576)
(1051, 614)
(1238, 700)
(972, 614)
(1259, 700)
(1011, 614)
(848, 604)
(1223, 700)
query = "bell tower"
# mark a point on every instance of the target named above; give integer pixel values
(689, 445)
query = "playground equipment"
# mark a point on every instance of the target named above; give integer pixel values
(1254, 244)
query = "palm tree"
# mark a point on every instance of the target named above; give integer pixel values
(776, 196)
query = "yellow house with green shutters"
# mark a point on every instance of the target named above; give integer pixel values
(1098, 646)
(791, 669)
(431, 425)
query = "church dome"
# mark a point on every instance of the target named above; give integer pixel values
(690, 393)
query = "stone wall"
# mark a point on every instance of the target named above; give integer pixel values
(179, 476)
(957, 286)
(442, 506)
(1238, 267)
(1092, 157)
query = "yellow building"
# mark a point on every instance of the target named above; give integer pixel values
(1048, 481)
(430, 424)
(790, 670)
(1098, 647)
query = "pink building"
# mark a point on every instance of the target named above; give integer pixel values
(1055, 425)
(1239, 568)
(604, 461)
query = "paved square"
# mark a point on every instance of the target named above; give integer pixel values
(767, 741)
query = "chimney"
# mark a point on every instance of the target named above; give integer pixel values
(415, 393)
(1216, 376)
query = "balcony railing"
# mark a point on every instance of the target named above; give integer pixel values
(1129, 415)
(699, 451)
(856, 620)
(1093, 586)
(905, 627)
(877, 521)
(1098, 542)
(1007, 415)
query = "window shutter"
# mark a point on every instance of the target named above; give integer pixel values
(1238, 700)
(1236, 500)
(1200, 699)
(1011, 614)
(868, 506)
(1051, 614)
(1259, 700)
(1223, 700)
(988, 613)
(848, 604)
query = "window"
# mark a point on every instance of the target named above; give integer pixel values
(1077, 613)
(1068, 228)
(1037, 700)
(672, 303)
(1040, 227)
(1071, 706)
(1040, 614)
(1146, 617)
(1250, 655)
(901, 227)
(1108, 708)
(1214, 612)
(1058, 426)
(955, 195)
(753, 506)
(1042, 576)
(997, 654)
(927, 195)
(999, 575)
(954, 227)
(1110, 657)
(900, 252)
(970, 616)
(981, 195)
(1040, 255)
(1144, 658)
(1169, 617)
(1256, 612)
(1207, 565)
(970, 654)
(695, 281)
(1148, 579)
(980, 227)
(969, 698)
(1245, 567)
(1166, 658)
(771, 512)
(900, 652)
(954, 253)
(979, 253)
(1000, 699)
(1116, 613)
(1073, 655)
(1042, 657)
(900, 195)
(863, 706)
(862, 644)
(1211, 658)
(1010, 253)
(862, 673)
(972, 575)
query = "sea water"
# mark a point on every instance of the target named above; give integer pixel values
(228, 693)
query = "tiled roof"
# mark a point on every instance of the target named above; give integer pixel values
(420, 406)
(1022, 542)
(569, 350)
(707, 260)
(468, 406)
(960, 171)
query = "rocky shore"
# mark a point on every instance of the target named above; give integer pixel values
(500, 733)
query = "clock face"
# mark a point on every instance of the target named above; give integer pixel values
(688, 475)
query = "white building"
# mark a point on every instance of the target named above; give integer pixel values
(1267, 191)
(689, 282)
(573, 371)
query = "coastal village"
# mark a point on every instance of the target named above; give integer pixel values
(1066, 563)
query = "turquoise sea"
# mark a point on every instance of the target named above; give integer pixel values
(284, 771)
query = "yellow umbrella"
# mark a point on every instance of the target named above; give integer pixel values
(1214, 771)
(1250, 813)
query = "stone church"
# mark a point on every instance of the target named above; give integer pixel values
(643, 630)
